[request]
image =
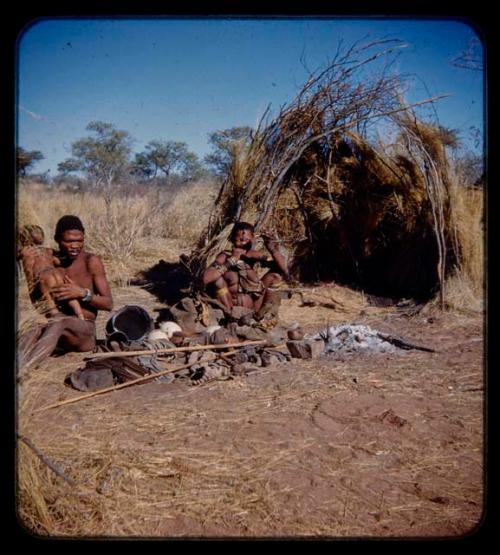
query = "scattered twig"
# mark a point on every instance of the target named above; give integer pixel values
(55, 468)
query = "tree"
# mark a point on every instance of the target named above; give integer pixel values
(192, 168)
(168, 157)
(224, 144)
(142, 166)
(25, 159)
(102, 157)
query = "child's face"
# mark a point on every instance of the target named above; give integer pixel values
(243, 239)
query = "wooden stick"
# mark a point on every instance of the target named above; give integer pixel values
(403, 344)
(47, 461)
(175, 350)
(126, 384)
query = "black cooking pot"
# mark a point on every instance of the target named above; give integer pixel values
(130, 323)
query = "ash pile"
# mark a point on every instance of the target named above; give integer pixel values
(347, 339)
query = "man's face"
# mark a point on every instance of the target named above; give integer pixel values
(243, 239)
(71, 243)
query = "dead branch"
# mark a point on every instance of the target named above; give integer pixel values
(403, 344)
(54, 467)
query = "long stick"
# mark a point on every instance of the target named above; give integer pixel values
(47, 461)
(403, 344)
(175, 350)
(126, 384)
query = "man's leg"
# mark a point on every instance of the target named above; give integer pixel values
(269, 302)
(28, 339)
(78, 335)
(222, 293)
(70, 333)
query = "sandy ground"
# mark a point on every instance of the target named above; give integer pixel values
(361, 446)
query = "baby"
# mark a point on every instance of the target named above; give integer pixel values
(40, 268)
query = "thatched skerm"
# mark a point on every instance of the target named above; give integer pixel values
(347, 207)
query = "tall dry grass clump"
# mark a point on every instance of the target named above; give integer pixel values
(466, 286)
(187, 212)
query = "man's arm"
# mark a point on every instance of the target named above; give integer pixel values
(254, 255)
(102, 299)
(272, 246)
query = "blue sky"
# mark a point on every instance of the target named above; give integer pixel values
(180, 79)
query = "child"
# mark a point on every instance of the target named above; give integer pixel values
(39, 265)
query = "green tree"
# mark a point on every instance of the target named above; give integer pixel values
(26, 159)
(103, 157)
(224, 144)
(142, 166)
(192, 168)
(169, 158)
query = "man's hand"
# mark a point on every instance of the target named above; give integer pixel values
(238, 253)
(255, 255)
(270, 241)
(236, 258)
(68, 291)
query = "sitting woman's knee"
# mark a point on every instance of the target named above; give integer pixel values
(220, 283)
(272, 278)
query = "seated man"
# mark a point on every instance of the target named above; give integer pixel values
(86, 281)
(233, 274)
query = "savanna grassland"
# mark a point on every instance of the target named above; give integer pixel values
(385, 446)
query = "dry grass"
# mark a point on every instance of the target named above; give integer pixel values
(244, 458)
(199, 463)
(469, 211)
(149, 462)
(465, 286)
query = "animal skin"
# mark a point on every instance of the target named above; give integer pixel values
(170, 328)
(157, 334)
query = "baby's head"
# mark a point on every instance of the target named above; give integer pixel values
(31, 235)
(242, 235)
